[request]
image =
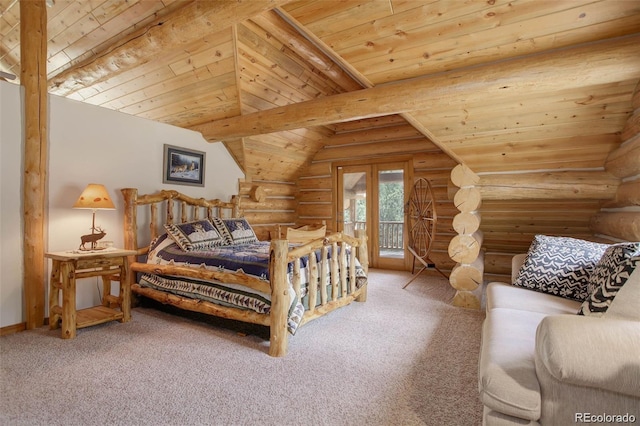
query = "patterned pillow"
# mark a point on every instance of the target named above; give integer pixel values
(238, 231)
(196, 235)
(560, 266)
(610, 274)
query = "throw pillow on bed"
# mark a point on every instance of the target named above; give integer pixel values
(560, 266)
(196, 235)
(238, 231)
(612, 271)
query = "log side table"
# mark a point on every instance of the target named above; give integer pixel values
(68, 266)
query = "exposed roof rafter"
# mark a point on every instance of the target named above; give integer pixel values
(602, 62)
(184, 26)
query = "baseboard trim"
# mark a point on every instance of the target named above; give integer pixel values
(11, 329)
(16, 328)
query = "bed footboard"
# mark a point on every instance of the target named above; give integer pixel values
(329, 269)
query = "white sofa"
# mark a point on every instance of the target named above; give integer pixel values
(540, 363)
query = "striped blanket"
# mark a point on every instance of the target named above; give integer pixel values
(252, 259)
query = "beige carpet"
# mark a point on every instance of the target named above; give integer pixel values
(405, 357)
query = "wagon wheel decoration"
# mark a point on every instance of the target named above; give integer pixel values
(421, 221)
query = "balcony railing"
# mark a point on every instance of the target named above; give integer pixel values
(390, 233)
(390, 236)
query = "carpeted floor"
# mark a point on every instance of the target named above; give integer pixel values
(405, 357)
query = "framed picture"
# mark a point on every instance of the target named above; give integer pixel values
(183, 166)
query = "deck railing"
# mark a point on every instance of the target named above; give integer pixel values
(390, 233)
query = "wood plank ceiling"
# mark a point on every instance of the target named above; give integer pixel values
(271, 54)
(502, 86)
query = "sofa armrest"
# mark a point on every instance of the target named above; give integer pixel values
(516, 263)
(591, 352)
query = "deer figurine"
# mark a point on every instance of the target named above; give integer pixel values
(92, 238)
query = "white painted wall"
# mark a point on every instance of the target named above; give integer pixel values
(11, 160)
(89, 144)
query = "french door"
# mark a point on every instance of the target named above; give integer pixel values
(372, 197)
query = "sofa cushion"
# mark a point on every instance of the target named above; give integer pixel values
(611, 273)
(501, 295)
(560, 266)
(507, 378)
(494, 418)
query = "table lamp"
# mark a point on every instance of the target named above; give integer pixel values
(94, 197)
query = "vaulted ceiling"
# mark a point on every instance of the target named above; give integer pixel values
(498, 85)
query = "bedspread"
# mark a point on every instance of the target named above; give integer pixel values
(252, 259)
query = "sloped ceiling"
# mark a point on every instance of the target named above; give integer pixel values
(498, 85)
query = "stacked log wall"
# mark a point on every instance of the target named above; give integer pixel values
(358, 146)
(595, 204)
(436, 168)
(517, 206)
(267, 204)
(619, 219)
(465, 248)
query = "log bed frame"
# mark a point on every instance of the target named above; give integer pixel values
(280, 256)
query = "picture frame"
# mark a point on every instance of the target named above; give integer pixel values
(182, 166)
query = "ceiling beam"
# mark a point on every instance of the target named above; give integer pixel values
(363, 81)
(277, 24)
(590, 64)
(185, 25)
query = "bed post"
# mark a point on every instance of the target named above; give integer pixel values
(279, 298)
(363, 257)
(130, 224)
(236, 212)
(363, 250)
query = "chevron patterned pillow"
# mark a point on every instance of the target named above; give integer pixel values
(612, 271)
(560, 266)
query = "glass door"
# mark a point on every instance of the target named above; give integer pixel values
(372, 197)
(390, 198)
(353, 209)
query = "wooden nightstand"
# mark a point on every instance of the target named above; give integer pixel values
(68, 266)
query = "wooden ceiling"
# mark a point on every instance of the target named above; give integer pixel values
(498, 85)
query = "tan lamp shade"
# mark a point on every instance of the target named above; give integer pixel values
(96, 197)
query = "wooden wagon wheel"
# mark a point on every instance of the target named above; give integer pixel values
(421, 221)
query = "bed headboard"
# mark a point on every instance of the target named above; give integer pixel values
(168, 207)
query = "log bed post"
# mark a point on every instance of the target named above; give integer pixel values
(130, 225)
(278, 340)
(363, 255)
(237, 210)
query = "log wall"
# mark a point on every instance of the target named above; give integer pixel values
(517, 206)
(465, 248)
(357, 143)
(619, 219)
(267, 204)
